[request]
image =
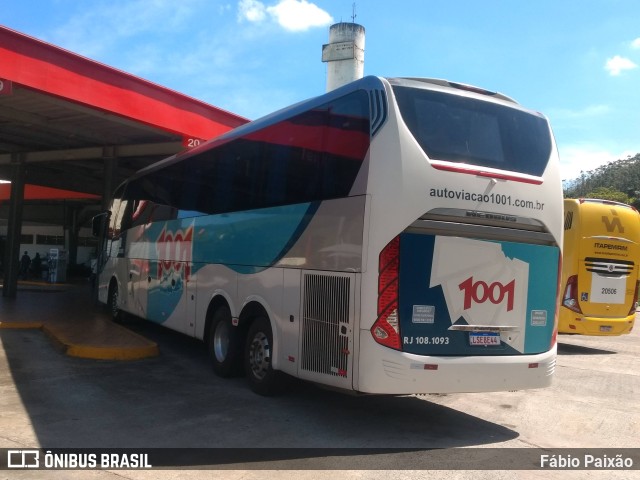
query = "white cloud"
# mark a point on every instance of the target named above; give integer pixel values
(252, 11)
(584, 158)
(299, 15)
(616, 65)
(292, 15)
(636, 43)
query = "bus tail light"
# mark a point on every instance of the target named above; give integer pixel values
(386, 329)
(634, 304)
(570, 299)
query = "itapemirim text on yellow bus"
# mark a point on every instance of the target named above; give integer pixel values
(599, 269)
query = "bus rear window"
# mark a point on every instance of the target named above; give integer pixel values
(460, 129)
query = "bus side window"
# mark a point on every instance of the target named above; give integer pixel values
(346, 141)
(223, 188)
(278, 159)
(250, 179)
(127, 216)
(142, 212)
(117, 222)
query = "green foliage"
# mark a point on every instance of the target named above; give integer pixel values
(618, 181)
(607, 193)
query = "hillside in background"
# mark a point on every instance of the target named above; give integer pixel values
(619, 181)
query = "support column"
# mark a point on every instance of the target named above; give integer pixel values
(73, 231)
(108, 186)
(14, 227)
(110, 171)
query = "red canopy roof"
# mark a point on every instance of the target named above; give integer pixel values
(36, 192)
(53, 70)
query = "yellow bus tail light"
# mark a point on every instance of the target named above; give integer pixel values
(634, 304)
(570, 298)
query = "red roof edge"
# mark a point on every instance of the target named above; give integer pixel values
(37, 192)
(50, 69)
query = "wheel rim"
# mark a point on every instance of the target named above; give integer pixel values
(221, 341)
(259, 355)
(114, 303)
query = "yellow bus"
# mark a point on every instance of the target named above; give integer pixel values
(599, 269)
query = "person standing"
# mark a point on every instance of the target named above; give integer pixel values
(36, 266)
(25, 262)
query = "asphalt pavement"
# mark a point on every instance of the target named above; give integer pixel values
(51, 398)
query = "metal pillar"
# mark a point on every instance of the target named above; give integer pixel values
(110, 176)
(71, 233)
(14, 227)
(110, 171)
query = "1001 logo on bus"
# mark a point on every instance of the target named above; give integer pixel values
(174, 253)
(480, 292)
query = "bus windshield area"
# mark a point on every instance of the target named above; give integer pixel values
(460, 129)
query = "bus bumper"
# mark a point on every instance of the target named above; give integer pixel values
(581, 325)
(387, 371)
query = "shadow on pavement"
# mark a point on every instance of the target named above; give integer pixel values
(175, 401)
(570, 349)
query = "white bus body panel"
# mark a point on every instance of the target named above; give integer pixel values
(393, 372)
(400, 191)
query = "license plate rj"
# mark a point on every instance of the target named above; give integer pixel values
(484, 339)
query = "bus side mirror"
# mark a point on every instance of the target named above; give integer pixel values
(98, 223)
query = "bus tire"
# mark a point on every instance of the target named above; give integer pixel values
(115, 313)
(262, 378)
(224, 344)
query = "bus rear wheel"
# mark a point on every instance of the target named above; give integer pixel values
(262, 378)
(224, 344)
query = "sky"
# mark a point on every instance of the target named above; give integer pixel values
(575, 61)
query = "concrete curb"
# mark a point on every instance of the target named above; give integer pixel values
(149, 349)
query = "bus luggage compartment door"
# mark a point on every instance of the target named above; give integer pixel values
(326, 330)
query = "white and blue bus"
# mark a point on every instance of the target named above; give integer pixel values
(393, 236)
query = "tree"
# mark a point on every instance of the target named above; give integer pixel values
(607, 193)
(618, 181)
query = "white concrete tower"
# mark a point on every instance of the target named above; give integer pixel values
(344, 54)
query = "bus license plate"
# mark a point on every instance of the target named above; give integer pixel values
(605, 328)
(484, 339)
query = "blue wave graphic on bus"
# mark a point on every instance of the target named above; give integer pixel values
(228, 239)
(163, 301)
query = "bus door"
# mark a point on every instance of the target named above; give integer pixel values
(113, 227)
(136, 287)
(137, 272)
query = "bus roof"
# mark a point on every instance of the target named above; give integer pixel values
(419, 82)
(581, 201)
(366, 83)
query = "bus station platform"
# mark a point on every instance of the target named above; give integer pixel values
(77, 325)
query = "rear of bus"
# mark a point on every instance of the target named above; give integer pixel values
(600, 270)
(464, 211)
